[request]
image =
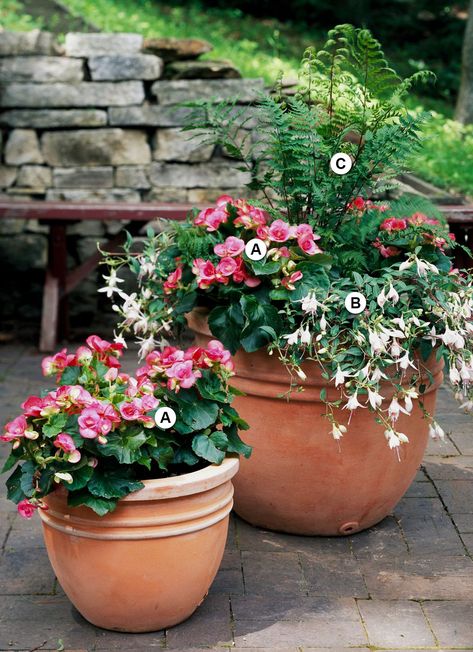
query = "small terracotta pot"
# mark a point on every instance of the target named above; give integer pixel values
(150, 563)
(298, 478)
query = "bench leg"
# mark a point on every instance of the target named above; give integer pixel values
(54, 312)
(49, 316)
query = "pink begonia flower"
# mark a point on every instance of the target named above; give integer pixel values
(216, 352)
(111, 375)
(182, 374)
(205, 272)
(89, 423)
(33, 405)
(249, 216)
(288, 281)
(417, 219)
(241, 275)
(308, 245)
(172, 281)
(231, 247)
(386, 252)
(15, 429)
(223, 200)
(99, 345)
(84, 355)
(149, 402)
(65, 442)
(393, 224)
(56, 363)
(280, 231)
(132, 410)
(212, 218)
(262, 232)
(226, 266)
(69, 396)
(26, 509)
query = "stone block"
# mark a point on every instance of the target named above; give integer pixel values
(125, 66)
(11, 227)
(451, 622)
(337, 576)
(210, 195)
(34, 176)
(178, 145)
(178, 195)
(83, 177)
(180, 90)
(202, 70)
(88, 45)
(96, 147)
(395, 623)
(457, 495)
(33, 42)
(7, 176)
(28, 95)
(217, 174)
(281, 570)
(112, 195)
(53, 118)
(41, 69)
(171, 49)
(149, 115)
(22, 147)
(132, 176)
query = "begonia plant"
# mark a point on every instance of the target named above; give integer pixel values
(99, 432)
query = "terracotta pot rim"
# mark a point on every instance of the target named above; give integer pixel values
(188, 483)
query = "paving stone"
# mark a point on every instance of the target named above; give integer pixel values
(324, 622)
(427, 527)
(25, 571)
(457, 495)
(209, 625)
(279, 570)
(106, 640)
(255, 539)
(464, 522)
(171, 49)
(22, 147)
(85, 45)
(82, 94)
(382, 540)
(451, 621)
(83, 177)
(334, 576)
(449, 468)
(207, 69)
(462, 437)
(95, 147)
(33, 42)
(393, 623)
(417, 578)
(443, 447)
(41, 621)
(34, 176)
(174, 92)
(118, 67)
(53, 118)
(178, 145)
(41, 69)
(200, 175)
(421, 490)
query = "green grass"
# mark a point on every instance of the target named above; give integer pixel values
(12, 17)
(264, 48)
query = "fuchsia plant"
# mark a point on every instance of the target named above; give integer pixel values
(96, 433)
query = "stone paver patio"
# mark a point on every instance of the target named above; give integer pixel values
(405, 584)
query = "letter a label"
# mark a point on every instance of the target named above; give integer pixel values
(165, 418)
(256, 249)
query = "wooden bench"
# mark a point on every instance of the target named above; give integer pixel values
(59, 281)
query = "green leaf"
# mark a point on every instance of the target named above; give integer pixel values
(230, 415)
(186, 303)
(11, 460)
(185, 456)
(28, 470)
(236, 445)
(226, 324)
(81, 476)
(210, 387)
(55, 425)
(313, 278)
(14, 490)
(70, 375)
(100, 506)
(258, 318)
(112, 484)
(196, 416)
(124, 447)
(220, 439)
(204, 447)
(163, 454)
(263, 267)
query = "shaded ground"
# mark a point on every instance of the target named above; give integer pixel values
(405, 584)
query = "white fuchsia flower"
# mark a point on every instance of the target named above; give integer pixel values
(374, 398)
(306, 335)
(454, 375)
(405, 361)
(435, 431)
(292, 338)
(395, 409)
(409, 395)
(392, 295)
(353, 403)
(310, 304)
(338, 430)
(111, 283)
(340, 377)
(395, 439)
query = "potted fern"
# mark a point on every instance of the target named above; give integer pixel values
(355, 297)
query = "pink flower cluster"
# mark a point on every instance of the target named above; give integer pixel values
(248, 216)
(360, 205)
(228, 267)
(106, 352)
(182, 368)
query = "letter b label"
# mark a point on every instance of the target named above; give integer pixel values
(355, 303)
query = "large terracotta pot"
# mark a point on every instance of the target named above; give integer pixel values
(299, 479)
(150, 563)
